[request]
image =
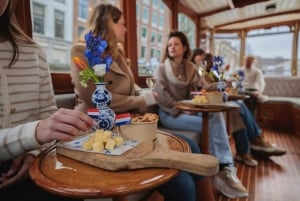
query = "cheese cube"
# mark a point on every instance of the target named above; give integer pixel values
(98, 146)
(110, 144)
(118, 140)
(87, 145)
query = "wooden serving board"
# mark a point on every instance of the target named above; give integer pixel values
(145, 155)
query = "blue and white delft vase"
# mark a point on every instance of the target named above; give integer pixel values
(221, 85)
(101, 98)
(240, 88)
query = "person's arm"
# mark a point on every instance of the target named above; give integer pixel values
(164, 99)
(260, 81)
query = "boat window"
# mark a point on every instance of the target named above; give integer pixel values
(272, 49)
(227, 45)
(152, 32)
(186, 25)
(53, 31)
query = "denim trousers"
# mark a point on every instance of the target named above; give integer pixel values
(243, 137)
(183, 186)
(218, 139)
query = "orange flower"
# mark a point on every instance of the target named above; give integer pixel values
(81, 65)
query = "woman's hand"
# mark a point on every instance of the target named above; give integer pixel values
(18, 171)
(65, 125)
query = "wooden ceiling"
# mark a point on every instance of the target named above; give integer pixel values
(232, 15)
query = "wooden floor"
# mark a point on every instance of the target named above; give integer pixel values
(276, 178)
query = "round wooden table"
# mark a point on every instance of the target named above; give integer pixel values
(68, 177)
(206, 109)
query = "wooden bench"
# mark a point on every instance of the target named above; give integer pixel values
(282, 110)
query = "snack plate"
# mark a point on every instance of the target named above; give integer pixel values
(77, 145)
(209, 105)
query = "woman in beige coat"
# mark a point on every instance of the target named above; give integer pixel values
(108, 22)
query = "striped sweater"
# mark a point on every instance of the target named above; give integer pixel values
(26, 96)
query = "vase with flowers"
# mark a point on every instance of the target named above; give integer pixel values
(238, 78)
(218, 70)
(98, 64)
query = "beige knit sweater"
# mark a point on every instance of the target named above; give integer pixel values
(26, 96)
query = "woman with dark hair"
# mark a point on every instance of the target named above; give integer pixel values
(175, 78)
(28, 116)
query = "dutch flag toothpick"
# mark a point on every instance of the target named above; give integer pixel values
(122, 119)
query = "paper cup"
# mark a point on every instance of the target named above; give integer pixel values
(142, 131)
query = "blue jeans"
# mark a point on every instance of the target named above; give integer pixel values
(243, 137)
(183, 186)
(218, 138)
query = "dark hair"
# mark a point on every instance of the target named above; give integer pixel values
(100, 22)
(184, 41)
(11, 31)
(209, 58)
(197, 52)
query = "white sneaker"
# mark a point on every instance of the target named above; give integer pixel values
(229, 184)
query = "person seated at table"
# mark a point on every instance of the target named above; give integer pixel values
(248, 139)
(254, 84)
(175, 78)
(28, 113)
(108, 22)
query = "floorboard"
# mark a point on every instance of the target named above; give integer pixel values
(276, 178)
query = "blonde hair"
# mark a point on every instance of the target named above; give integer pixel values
(101, 23)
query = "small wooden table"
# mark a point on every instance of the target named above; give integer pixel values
(206, 109)
(68, 177)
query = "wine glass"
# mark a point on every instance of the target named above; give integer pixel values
(150, 81)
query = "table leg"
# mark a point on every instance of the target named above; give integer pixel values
(205, 133)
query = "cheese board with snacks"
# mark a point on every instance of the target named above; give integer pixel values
(146, 154)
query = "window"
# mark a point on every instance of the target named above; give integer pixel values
(272, 49)
(60, 1)
(83, 9)
(153, 36)
(228, 47)
(38, 18)
(80, 30)
(59, 24)
(154, 19)
(143, 51)
(144, 32)
(145, 14)
(186, 25)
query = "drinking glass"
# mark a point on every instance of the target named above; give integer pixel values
(150, 81)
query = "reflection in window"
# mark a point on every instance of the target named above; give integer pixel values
(272, 50)
(59, 24)
(38, 18)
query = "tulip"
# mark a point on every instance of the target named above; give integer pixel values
(81, 65)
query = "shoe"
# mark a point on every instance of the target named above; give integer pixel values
(247, 159)
(265, 149)
(229, 184)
